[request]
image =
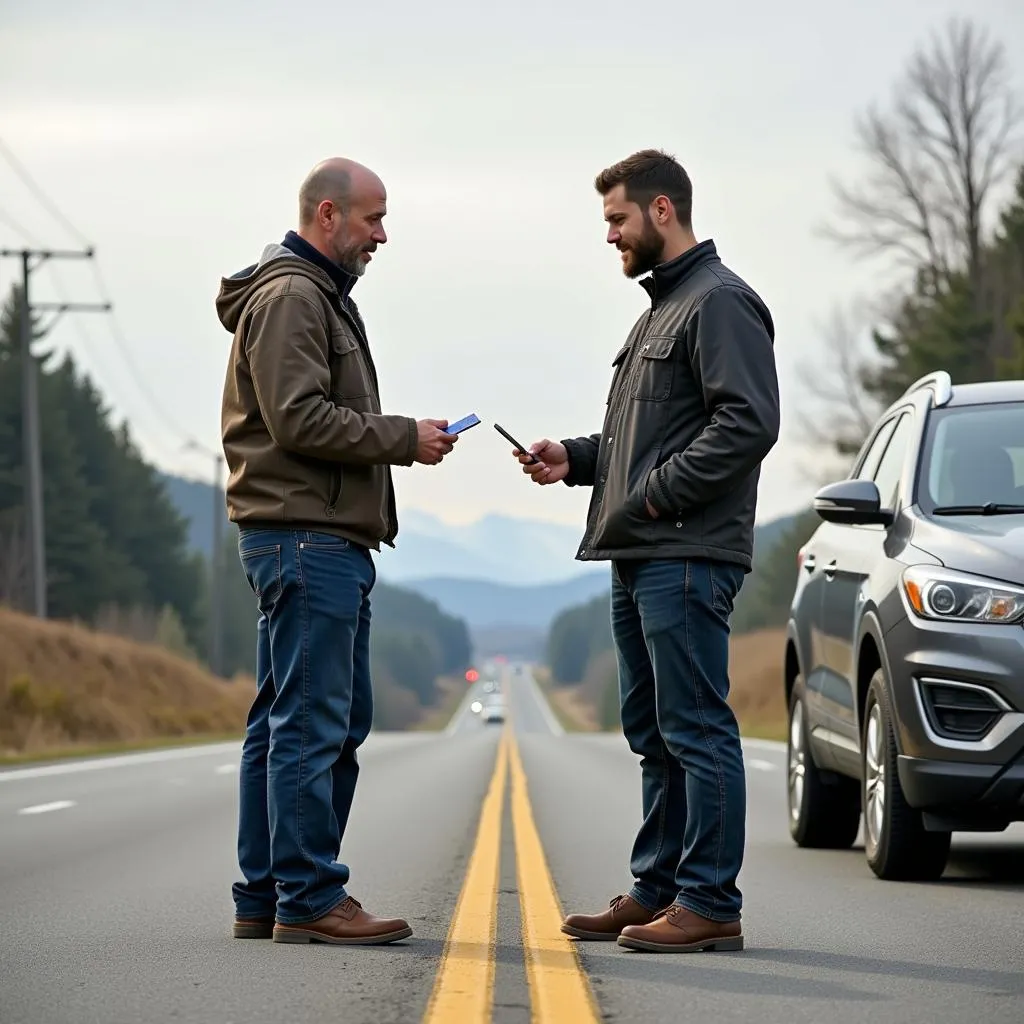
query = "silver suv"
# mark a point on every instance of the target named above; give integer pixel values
(904, 667)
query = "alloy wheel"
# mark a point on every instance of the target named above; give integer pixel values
(797, 761)
(874, 775)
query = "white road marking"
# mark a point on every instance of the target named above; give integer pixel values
(549, 716)
(761, 766)
(226, 769)
(755, 744)
(120, 761)
(57, 805)
(462, 712)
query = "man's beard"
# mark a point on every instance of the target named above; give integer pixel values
(351, 260)
(646, 253)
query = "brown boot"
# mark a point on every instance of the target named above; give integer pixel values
(346, 925)
(253, 927)
(678, 930)
(605, 927)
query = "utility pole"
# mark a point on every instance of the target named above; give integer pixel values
(215, 641)
(217, 589)
(32, 465)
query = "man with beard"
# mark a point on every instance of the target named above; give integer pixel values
(309, 454)
(692, 411)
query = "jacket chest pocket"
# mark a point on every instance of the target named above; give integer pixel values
(617, 370)
(349, 378)
(655, 369)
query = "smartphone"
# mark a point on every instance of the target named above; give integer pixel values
(464, 424)
(511, 440)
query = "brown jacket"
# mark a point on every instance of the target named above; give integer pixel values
(304, 439)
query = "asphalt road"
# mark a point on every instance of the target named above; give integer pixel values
(115, 879)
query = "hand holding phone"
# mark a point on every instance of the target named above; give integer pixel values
(464, 424)
(519, 447)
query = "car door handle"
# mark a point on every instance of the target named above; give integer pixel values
(808, 563)
(830, 570)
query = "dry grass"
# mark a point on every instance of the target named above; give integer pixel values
(573, 708)
(451, 690)
(65, 688)
(756, 695)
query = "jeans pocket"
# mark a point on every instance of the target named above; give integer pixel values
(262, 567)
(324, 542)
(725, 584)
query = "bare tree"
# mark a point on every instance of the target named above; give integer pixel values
(843, 411)
(936, 158)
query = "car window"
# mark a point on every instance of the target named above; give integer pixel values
(874, 453)
(890, 468)
(974, 455)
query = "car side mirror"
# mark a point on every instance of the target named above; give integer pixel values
(852, 503)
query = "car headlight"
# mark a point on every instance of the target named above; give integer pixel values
(934, 592)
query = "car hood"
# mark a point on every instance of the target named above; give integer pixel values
(986, 545)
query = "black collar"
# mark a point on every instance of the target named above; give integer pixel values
(666, 277)
(342, 279)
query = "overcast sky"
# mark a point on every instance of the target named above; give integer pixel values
(176, 142)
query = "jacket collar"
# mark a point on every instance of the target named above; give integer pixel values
(340, 277)
(666, 277)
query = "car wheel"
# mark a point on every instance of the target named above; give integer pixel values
(897, 845)
(824, 808)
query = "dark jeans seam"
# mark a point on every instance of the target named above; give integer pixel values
(665, 774)
(317, 914)
(687, 904)
(304, 720)
(643, 903)
(719, 777)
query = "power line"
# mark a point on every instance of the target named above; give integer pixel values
(117, 333)
(37, 190)
(154, 407)
(32, 471)
(7, 219)
(33, 455)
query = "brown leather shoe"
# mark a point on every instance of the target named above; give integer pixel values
(605, 927)
(253, 927)
(678, 930)
(346, 925)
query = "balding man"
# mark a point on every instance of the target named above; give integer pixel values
(309, 455)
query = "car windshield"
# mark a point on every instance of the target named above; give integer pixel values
(973, 460)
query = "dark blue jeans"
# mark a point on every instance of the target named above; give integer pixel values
(670, 621)
(313, 709)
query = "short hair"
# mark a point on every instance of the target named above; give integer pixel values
(324, 182)
(648, 174)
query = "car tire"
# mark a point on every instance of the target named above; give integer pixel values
(897, 845)
(824, 807)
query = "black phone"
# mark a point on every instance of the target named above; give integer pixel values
(511, 440)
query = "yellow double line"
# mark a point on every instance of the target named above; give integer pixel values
(464, 989)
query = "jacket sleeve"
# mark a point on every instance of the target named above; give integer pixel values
(733, 358)
(287, 347)
(582, 460)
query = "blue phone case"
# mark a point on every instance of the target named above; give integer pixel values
(464, 424)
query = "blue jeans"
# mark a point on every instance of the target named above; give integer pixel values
(670, 622)
(313, 709)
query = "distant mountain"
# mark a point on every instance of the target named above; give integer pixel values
(499, 572)
(496, 548)
(485, 604)
(194, 499)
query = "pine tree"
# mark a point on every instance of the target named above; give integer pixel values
(77, 554)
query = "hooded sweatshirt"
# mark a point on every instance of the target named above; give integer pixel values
(305, 442)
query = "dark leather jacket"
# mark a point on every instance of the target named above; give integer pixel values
(692, 411)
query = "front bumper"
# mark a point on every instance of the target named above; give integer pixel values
(926, 657)
(967, 792)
